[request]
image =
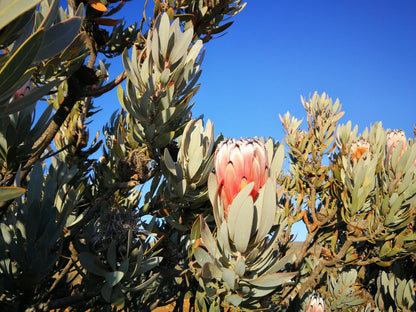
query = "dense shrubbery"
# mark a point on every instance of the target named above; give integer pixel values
(172, 212)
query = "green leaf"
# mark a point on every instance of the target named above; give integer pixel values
(112, 255)
(51, 14)
(181, 45)
(164, 116)
(207, 239)
(113, 278)
(18, 30)
(277, 163)
(10, 192)
(266, 209)
(106, 291)
(272, 280)
(9, 10)
(279, 265)
(28, 100)
(174, 222)
(210, 271)
(143, 285)
(20, 62)
(163, 139)
(240, 267)
(128, 67)
(92, 264)
(75, 46)
(168, 162)
(244, 221)
(5, 232)
(228, 276)
(162, 26)
(202, 256)
(149, 264)
(235, 300)
(234, 211)
(58, 37)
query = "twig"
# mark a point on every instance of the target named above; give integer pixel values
(108, 87)
(71, 300)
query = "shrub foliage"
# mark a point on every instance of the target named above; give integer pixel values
(170, 213)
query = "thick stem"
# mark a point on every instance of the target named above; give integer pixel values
(74, 94)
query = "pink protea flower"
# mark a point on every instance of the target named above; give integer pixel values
(24, 90)
(393, 139)
(238, 163)
(316, 303)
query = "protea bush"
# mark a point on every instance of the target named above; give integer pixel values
(160, 211)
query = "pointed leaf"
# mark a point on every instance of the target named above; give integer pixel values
(9, 10)
(58, 37)
(92, 264)
(277, 162)
(273, 280)
(10, 192)
(51, 15)
(113, 278)
(28, 100)
(207, 239)
(234, 209)
(112, 255)
(266, 208)
(20, 62)
(181, 45)
(145, 284)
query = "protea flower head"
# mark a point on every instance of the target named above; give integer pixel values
(358, 148)
(315, 303)
(394, 137)
(238, 163)
(24, 90)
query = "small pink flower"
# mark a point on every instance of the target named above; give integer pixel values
(24, 90)
(238, 163)
(393, 139)
(316, 303)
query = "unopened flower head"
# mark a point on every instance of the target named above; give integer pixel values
(316, 303)
(24, 90)
(393, 139)
(358, 148)
(238, 163)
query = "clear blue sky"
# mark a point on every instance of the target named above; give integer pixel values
(362, 52)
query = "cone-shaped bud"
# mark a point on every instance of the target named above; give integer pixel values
(195, 151)
(24, 90)
(238, 163)
(358, 148)
(393, 139)
(316, 303)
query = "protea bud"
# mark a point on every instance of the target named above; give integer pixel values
(393, 139)
(195, 151)
(24, 90)
(358, 148)
(316, 303)
(238, 163)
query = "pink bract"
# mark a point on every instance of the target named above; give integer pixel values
(238, 163)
